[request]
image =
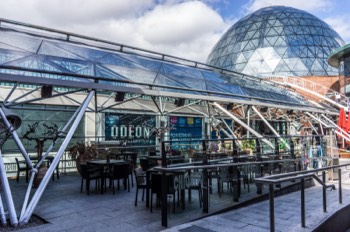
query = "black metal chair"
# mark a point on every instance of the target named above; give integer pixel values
(140, 183)
(21, 166)
(156, 188)
(120, 172)
(196, 184)
(88, 173)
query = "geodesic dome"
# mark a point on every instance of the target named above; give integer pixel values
(277, 40)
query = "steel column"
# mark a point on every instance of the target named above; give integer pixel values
(37, 195)
(339, 186)
(2, 213)
(302, 195)
(16, 138)
(269, 126)
(243, 124)
(272, 208)
(324, 192)
(7, 193)
(26, 198)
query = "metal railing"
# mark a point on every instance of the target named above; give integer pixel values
(300, 175)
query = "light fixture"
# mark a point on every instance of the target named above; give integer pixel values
(179, 102)
(119, 96)
(46, 91)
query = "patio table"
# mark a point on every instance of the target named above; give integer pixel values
(105, 164)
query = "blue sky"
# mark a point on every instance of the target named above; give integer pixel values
(187, 29)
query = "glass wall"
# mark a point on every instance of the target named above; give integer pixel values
(42, 125)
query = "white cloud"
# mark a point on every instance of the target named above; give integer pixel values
(308, 5)
(187, 29)
(340, 24)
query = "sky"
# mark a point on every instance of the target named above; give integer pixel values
(186, 29)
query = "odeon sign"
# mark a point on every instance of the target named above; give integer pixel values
(129, 132)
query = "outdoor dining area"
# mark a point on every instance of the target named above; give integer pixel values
(203, 180)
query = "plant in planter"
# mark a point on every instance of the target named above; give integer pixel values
(248, 145)
(82, 153)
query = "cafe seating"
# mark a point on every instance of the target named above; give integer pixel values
(21, 166)
(140, 183)
(156, 188)
(196, 184)
(147, 164)
(88, 173)
(120, 172)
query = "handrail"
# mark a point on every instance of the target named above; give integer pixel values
(211, 166)
(300, 175)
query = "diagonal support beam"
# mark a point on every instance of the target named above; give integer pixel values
(39, 192)
(269, 126)
(244, 125)
(7, 193)
(26, 198)
(16, 138)
(320, 121)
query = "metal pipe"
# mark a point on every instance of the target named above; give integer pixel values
(272, 208)
(37, 195)
(324, 192)
(302, 195)
(243, 124)
(269, 126)
(7, 193)
(2, 214)
(34, 171)
(339, 186)
(16, 138)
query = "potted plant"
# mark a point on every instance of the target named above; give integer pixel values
(81, 153)
(248, 145)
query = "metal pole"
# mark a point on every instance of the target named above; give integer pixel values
(272, 208)
(269, 126)
(243, 124)
(7, 193)
(2, 213)
(30, 185)
(302, 186)
(37, 195)
(324, 192)
(340, 190)
(164, 186)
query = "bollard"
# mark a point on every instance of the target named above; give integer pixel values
(340, 190)
(272, 208)
(324, 192)
(302, 195)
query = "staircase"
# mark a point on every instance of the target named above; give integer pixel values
(325, 96)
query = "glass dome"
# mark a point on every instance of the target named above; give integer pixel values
(277, 40)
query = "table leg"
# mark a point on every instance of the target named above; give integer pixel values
(148, 175)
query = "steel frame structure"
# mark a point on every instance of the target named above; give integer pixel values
(95, 89)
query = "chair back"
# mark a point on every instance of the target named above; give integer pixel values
(140, 177)
(121, 171)
(90, 171)
(144, 164)
(196, 179)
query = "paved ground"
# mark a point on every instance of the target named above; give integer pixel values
(66, 209)
(255, 217)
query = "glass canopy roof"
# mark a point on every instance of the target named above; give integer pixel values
(28, 51)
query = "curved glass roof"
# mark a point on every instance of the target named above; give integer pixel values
(52, 55)
(277, 40)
